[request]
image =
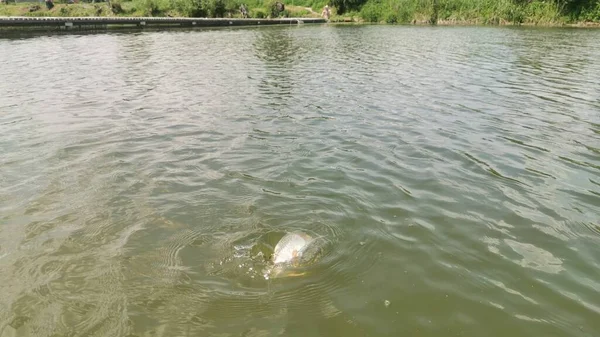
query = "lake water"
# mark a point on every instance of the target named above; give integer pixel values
(453, 172)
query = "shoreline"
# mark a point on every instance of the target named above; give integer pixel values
(471, 23)
(102, 23)
(75, 24)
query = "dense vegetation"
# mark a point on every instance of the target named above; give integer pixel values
(192, 8)
(390, 11)
(473, 11)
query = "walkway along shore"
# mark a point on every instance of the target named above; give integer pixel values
(99, 23)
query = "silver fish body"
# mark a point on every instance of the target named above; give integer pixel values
(295, 249)
(291, 247)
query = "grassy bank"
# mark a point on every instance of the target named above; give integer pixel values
(172, 8)
(39, 9)
(537, 12)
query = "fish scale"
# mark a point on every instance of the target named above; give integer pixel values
(291, 247)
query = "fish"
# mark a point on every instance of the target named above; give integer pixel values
(294, 249)
(291, 248)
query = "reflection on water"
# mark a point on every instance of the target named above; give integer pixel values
(453, 173)
(276, 50)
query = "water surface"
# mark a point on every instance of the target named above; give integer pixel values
(454, 172)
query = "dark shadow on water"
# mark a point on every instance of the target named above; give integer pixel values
(18, 34)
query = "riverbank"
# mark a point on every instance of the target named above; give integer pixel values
(471, 12)
(341, 19)
(417, 12)
(158, 8)
(102, 23)
(139, 14)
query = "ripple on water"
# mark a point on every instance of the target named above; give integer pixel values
(453, 172)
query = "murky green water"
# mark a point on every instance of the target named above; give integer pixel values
(453, 172)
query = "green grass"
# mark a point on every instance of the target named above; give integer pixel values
(539, 12)
(173, 8)
(473, 12)
(39, 9)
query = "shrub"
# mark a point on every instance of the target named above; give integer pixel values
(258, 14)
(232, 7)
(151, 7)
(593, 14)
(372, 12)
(272, 8)
(214, 8)
(391, 17)
(116, 7)
(191, 8)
